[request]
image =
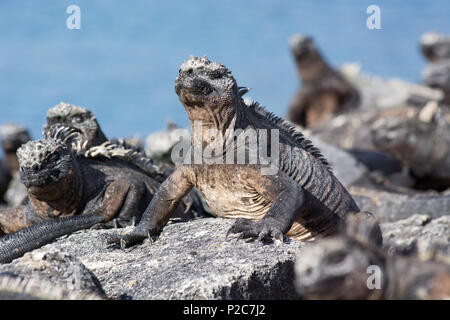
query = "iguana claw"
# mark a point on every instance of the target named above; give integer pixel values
(127, 240)
(262, 230)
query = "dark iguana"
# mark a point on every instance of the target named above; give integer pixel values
(420, 138)
(324, 91)
(13, 136)
(435, 47)
(300, 198)
(350, 267)
(62, 183)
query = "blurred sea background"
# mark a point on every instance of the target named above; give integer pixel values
(123, 61)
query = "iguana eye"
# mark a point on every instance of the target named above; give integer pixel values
(77, 119)
(215, 74)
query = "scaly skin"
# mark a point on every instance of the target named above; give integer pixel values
(79, 118)
(301, 199)
(324, 91)
(61, 183)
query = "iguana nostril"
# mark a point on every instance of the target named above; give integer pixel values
(190, 71)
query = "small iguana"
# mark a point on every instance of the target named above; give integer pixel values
(435, 47)
(324, 91)
(350, 267)
(63, 183)
(301, 198)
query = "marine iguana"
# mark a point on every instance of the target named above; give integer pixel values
(13, 136)
(347, 266)
(300, 198)
(421, 140)
(62, 183)
(324, 91)
(435, 46)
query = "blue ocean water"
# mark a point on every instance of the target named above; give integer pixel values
(123, 61)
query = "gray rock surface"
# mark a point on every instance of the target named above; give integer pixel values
(188, 261)
(415, 233)
(52, 265)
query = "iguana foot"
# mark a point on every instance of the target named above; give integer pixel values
(127, 240)
(265, 229)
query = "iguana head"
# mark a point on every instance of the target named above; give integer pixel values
(435, 46)
(207, 90)
(78, 118)
(333, 268)
(13, 136)
(46, 164)
(337, 267)
(304, 49)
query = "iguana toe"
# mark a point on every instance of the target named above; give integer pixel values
(262, 230)
(127, 240)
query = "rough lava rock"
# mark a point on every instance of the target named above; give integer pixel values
(415, 233)
(52, 265)
(189, 260)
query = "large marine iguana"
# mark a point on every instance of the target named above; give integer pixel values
(324, 91)
(62, 183)
(300, 198)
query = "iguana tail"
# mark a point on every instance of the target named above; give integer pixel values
(15, 245)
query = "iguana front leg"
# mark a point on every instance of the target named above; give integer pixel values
(158, 212)
(287, 197)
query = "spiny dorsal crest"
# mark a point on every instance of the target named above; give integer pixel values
(296, 135)
(68, 136)
(33, 153)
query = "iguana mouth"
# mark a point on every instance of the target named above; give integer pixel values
(192, 84)
(40, 179)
